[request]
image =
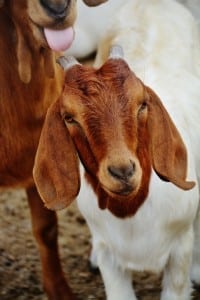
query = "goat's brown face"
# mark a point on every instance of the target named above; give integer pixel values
(48, 15)
(52, 13)
(120, 130)
(106, 115)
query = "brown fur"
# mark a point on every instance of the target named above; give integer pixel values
(30, 81)
(113, 119)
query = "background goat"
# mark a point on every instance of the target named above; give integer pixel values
(130, 144)
(89, 31)
(30, 80)
(91, 25)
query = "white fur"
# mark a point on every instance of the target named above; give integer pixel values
(92, 24)
(194, 6)
(160, 41)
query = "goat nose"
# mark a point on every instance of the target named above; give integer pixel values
(55, 9)
(123, 173)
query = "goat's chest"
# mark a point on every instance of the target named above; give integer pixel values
(144, 241)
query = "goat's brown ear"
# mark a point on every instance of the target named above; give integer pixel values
(94, 2)
(169, 155)
(56, 172)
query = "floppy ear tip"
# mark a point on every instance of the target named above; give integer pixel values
(183, 184)
(57, 201)
(188, 185)
(57, 205)
(53, 198)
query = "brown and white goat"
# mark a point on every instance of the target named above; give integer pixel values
(137, 164)
(29, 81)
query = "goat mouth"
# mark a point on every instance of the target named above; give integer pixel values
(56, 39)
(123, 192)
(126, 190)
(53, 28)
(59, 40)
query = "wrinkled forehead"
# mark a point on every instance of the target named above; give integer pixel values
(113, 77)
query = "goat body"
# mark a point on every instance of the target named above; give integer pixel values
(138, 153)
(30, 81)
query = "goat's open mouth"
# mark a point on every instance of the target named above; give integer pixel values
(53, 23)
(57, 39)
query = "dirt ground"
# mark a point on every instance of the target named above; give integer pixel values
(19, 260)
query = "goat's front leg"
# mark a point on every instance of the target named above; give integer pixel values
(176, 280)
(118, 282)
(44, 224)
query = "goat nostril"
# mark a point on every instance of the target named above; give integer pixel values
(54, 9)
(122, 172)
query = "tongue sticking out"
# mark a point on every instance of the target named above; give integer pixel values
(59, 40)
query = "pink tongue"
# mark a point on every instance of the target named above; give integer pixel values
(59, 40)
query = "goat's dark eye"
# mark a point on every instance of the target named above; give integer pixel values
(68, 119)
(142, 107)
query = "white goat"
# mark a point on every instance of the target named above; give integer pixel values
(194, 6)
(92, 24)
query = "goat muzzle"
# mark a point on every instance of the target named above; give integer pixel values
(55, 9)
(120, 178)
(123, 173)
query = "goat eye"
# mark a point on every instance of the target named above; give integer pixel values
(68, 119)
(142, 107)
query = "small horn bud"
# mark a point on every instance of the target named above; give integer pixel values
(67, 62)
(116, 52)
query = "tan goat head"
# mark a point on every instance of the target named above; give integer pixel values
(120, 130)
(50, 22)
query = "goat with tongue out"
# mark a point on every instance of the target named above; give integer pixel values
(61, 40)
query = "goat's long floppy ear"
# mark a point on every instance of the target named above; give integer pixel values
(169, 155)
(94, 2)
(56, 171)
